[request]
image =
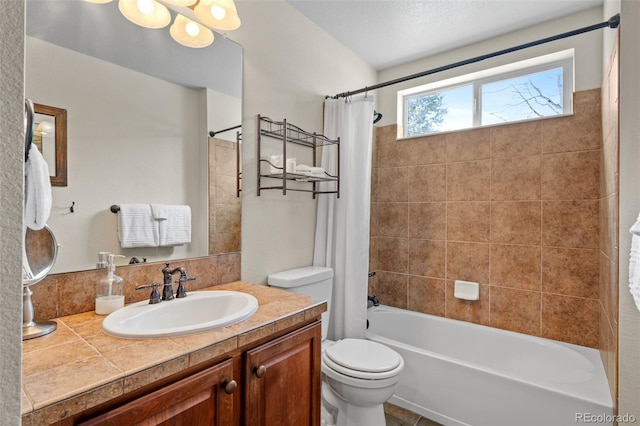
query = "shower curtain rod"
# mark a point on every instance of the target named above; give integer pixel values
(212, 133)
(613, 22)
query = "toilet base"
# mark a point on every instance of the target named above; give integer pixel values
(337, 412)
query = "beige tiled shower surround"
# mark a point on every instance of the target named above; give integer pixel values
(515, 207)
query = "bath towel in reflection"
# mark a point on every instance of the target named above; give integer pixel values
(634, 263)
(176, 229)
(37, 191)
(136, 226)
(160, 211)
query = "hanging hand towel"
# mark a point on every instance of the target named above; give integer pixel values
(634, 263)
(176, 230)
(37, 197)
(635, 229)
(136, 226)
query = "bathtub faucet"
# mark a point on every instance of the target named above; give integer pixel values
(374, 300)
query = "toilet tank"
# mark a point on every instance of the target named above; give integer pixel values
(313, 281)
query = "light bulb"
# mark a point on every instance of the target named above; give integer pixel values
(192, 29)
(218, 12)
(145, 6)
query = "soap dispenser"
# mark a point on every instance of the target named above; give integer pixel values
(109, 290)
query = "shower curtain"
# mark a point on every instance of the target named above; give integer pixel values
(342, 224)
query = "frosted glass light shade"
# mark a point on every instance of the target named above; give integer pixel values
(189, 33)
(146, 13)
(218, 14)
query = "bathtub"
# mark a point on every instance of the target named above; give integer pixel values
(458, 373)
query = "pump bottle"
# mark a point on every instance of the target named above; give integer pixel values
(109, 290)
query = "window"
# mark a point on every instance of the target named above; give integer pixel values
(536, 88)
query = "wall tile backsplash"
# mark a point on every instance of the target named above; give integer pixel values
(71, 293)
(515, 207)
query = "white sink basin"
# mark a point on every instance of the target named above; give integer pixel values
(199, 311)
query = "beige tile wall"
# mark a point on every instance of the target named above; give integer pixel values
(514, 207)
(224, 203)
(71, 293)
(608, 243)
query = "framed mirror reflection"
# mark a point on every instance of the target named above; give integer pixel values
(50, 136)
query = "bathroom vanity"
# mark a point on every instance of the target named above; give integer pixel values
(264, 370)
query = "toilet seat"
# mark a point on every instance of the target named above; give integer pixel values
(362, 359)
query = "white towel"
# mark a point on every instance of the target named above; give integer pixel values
(634, 263)
(160, 211)
(176, 229)
(635, 229)
(136, 226)
(37, 198)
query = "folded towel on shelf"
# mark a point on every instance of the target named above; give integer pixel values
(37, 197)
(304, 169)
(160, 211)
(176, 229)
(137, 227)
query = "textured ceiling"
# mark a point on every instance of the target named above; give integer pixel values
(386, 33)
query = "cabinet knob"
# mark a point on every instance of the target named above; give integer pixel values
(230, 387)
(260, 371)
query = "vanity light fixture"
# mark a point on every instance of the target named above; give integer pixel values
(146, 13)
(211, 14)
(189, 33)
(181, 3)
(44, 128)
(218, 14)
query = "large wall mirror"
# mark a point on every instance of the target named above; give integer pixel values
(139, 111)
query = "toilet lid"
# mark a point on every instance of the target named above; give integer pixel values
(363, 355)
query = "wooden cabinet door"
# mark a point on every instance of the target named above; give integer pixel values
(283, 380)
(200, 399)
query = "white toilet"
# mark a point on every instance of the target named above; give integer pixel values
(358, 375)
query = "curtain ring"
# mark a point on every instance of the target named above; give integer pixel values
(366, 92)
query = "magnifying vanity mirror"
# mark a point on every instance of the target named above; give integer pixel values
(40, 251)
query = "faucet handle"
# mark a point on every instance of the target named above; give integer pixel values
(154, 297)
(181, 291)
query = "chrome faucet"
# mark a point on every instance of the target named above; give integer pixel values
(167, 289)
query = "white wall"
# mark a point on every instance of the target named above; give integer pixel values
(131, 138)
(11, 184)
(588, 58)
(224, 111)
(629, 317)
(289, 66)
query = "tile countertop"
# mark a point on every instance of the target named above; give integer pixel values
(79, 366)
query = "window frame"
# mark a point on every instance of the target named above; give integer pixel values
(564, 60)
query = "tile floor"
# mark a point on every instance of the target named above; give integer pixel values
(396, 416)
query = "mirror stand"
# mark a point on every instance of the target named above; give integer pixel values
(31, 328)
(40, 251)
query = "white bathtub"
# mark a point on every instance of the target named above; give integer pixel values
(458, 373)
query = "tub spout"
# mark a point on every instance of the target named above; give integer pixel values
(374, 300)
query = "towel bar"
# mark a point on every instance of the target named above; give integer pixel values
(114, 208)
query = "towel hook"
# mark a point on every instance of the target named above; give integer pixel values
(71, 209)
